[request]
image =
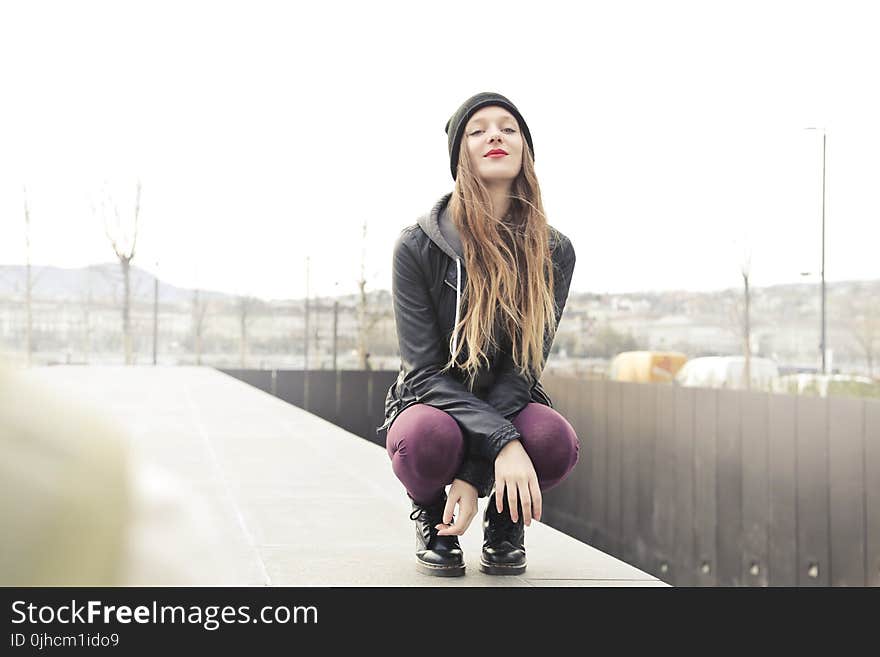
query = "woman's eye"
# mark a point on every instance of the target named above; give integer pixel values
(476, 131)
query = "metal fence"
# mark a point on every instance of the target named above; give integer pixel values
(698, 487)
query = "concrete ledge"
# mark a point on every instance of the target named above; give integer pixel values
(279, 496)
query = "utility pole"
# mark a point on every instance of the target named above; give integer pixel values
(747, 334)
(362, 305)
(306, 317)
(155, 312)
(823, 345)
(306, 390)
(335, 330)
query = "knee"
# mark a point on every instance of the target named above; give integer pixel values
(553, 446)
(558, 465)
(434, 444)
(565, 448)
(441, 431)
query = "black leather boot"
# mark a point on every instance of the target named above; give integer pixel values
(504, 550)
(435, 555)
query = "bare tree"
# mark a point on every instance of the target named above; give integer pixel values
(368, 316)
(246, 305)
(318, 341)
(87, 306)
(29, 283)
(745, 270)
(606, 341)
(322, 308)
(739, 316)
(865, 328)
(124, 244)
(198, 324)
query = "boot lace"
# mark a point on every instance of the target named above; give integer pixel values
(429, 516)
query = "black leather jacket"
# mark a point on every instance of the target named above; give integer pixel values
(427, 283)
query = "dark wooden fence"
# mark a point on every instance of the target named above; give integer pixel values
(698, 487)
(351, 399)
(708, 487)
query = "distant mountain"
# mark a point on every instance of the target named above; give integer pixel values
(105, 282)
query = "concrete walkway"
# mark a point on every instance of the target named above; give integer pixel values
(295, 500)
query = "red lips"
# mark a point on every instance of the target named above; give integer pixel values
(495, 151)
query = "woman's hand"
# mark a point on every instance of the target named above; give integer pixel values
(465, 495)
(514, 470)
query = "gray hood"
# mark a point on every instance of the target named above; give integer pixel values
(437, 224)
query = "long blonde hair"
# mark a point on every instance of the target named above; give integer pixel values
(510, 278)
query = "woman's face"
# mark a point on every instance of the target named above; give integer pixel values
(491, 129)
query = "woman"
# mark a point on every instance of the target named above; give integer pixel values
(479, 284)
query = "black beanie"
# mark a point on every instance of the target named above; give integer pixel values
(456, 124)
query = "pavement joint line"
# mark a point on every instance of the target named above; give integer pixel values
(222, 473)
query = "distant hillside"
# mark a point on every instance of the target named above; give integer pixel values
(104, 281)
(773, 303)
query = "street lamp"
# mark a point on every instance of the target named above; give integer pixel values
(822, 344)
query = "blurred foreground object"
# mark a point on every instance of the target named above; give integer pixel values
(75, 510)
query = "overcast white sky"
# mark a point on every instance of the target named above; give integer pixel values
(669, 136)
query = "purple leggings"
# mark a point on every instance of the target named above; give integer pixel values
(427, 447)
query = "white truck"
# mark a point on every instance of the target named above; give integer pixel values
(728, 372)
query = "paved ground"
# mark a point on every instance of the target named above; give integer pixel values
(286, 497)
